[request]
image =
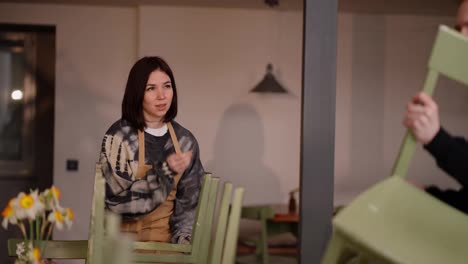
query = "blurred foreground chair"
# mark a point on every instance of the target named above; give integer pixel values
(395, 222)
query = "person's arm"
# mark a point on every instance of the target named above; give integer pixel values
(451, 154)
(188, 191)
(115, 167)
(124, 195)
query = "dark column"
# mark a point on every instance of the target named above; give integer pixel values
(318, 127)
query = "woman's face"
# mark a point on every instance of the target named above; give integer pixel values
(158, 96)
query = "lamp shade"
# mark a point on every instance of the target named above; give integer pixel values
(269, 84)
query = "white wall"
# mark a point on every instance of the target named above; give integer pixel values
(96, 46)
(218, 55)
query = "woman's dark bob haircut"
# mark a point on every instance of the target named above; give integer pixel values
(132, 103)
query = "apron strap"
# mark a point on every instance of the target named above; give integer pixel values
(174, 138)
(175, 142)
(142, 167)
(141, 147)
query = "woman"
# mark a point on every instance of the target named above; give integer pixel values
(150, 162)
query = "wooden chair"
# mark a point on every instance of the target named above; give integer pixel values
(395, 222)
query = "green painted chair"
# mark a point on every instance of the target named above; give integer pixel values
(260, 213)
(96, 225)
(196, 252)
(118, 247)
(204, 249)
(395, 222)
(223, 248)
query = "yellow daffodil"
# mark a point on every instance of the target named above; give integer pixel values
(55, 192)
(57, 218)
(51, 198)
(28, 206)
(68, 216)
(36, 256)
(33, 256)
(8, 215)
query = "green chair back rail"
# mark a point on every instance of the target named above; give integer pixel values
(204, 249)
(193, 253)
(56, 249)
(393, 221)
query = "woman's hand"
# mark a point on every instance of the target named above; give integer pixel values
(179, 162)
(422, 118)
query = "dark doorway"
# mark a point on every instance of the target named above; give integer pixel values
(27, 97)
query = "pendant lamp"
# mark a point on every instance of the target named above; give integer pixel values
(269, 84)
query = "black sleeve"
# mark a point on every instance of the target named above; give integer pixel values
(451, 154)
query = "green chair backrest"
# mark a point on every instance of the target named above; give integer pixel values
(117, 247)
(223, 214)
(227, 227)
(96, 225)
(195, 252)
(230, 244)
(207, 228)
(450, 58)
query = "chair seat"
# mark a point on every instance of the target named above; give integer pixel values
(403, 224)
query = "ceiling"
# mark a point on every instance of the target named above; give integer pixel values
(417, 7)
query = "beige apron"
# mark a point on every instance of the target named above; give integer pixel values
(155, 225)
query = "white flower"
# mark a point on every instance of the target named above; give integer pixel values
(51, 198)
(57, 218)
(28, 206)
(8, 215)
(25, 256)
(20, 249)
(68, 216)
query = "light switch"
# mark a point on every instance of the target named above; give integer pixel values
(72, 165)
